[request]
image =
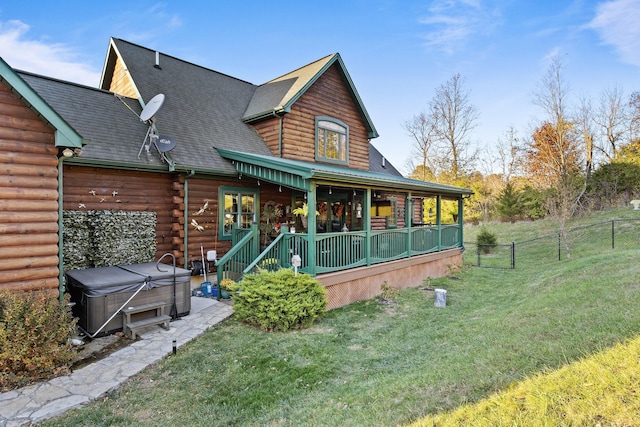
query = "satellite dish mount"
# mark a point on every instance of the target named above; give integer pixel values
(148, 116)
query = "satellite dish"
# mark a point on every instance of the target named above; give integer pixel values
(152, 107)
(165, 143)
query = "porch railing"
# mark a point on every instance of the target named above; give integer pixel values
(336, 251)
(242, 253)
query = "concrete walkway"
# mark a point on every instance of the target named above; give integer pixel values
(52, 398)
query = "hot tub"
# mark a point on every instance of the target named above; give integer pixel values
(99, 292)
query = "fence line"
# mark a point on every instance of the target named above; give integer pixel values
(583, 241)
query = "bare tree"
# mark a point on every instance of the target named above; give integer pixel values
(612, 119)
(634, 116)
(584, 123)
(509, 154)
(422, 161)
(454, 117)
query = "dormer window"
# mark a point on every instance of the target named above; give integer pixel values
(332, 140)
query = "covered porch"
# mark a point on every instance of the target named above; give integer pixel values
(362, 228)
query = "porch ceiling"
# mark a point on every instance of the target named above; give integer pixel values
(298, 174)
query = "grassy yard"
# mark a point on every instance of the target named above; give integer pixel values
(389, 364)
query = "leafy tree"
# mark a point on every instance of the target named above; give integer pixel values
(553, 157)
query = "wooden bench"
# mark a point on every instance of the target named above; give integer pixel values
(130, 328)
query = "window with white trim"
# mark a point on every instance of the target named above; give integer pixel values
(332, 140)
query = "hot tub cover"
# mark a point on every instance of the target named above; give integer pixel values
(123, 278)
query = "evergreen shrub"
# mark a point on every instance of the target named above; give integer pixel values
(278, 300)
(486, 239)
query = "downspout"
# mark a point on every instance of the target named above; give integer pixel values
(186, 218)
(61, 282)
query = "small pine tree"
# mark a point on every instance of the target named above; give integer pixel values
(486, 239)
(509, 205)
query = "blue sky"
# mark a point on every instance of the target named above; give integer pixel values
(396, 51)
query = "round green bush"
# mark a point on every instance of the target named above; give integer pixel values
(278, 300)
(487, 240)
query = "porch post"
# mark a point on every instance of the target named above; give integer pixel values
(312, 228)
(460, 220)
(408, 220)
(438, 219)
(367, 225)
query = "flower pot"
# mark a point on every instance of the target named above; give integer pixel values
(225, 294)
(305, 221)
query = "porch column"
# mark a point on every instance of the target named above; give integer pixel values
(312, 228)
(367, 225)
(438, 219)
(408, 220)
(460, 220)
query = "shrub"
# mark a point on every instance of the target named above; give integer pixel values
(279, 300)
(486, 239)
(388, 292)
(35, 332)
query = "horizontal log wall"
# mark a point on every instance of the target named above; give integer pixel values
(328, 96)
(88, 188)
(28, 198)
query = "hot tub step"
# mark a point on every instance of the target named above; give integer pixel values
(130, 328)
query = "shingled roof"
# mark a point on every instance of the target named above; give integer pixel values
(202, 109)
(114, 132)
(278, 95)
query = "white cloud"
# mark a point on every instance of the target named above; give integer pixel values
(49, 59)
(616, 22)
(454, 22)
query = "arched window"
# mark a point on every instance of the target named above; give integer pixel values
(332, 140)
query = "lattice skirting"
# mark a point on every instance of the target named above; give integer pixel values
(346, 287)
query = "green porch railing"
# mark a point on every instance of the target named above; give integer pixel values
(424, 240)
(450, 237)
(242, 253)
(339, 251)
(336, 251)
(388, 245)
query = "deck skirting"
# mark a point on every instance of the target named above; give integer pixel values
(357, 284)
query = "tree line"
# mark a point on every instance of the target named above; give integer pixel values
(582, 155)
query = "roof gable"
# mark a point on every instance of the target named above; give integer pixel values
(278, 95)
(66, 136)
(202, 109)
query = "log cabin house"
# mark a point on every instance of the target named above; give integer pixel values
(240, 159)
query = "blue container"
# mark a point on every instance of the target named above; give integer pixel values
(206, 288)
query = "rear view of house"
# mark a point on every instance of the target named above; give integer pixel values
(238, 161)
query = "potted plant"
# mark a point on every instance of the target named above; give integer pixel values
(303, 213)
(225, 288)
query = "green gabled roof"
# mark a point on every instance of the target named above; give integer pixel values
(278, 95)
(298, 174)
(66, 136)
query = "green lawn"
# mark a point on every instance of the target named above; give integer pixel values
(389, 364)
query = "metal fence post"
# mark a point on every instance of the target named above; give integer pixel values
(513, 255)
(559, 248)
(613, 234)
(478, 246)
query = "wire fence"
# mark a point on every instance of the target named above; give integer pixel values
(617, 234)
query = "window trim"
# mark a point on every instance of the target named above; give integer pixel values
(340, 123)
(226, 190)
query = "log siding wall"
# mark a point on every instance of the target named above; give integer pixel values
(28, 198)
(89, 188)
(328, 96)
